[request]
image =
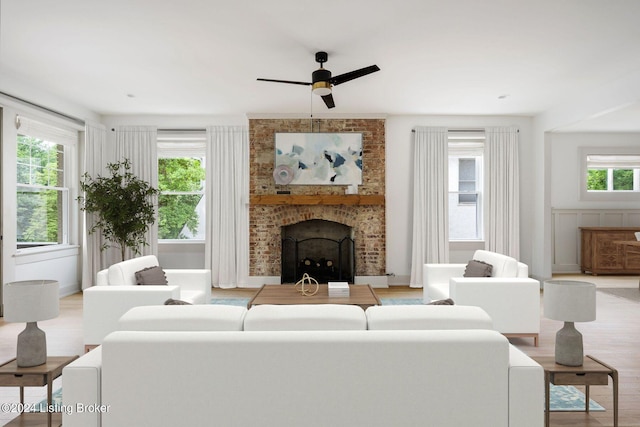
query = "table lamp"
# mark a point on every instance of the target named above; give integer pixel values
(569, 301)
(29, 301)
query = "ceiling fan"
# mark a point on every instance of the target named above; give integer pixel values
(322, 82)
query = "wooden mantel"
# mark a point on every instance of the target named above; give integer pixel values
(320, 199)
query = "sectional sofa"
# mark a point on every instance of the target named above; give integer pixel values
(304, 366)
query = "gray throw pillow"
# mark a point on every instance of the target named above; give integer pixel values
(447, 301)
(477, 268)
(151, 276)
(172, 301)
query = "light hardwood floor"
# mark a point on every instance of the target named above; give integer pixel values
(614, 338)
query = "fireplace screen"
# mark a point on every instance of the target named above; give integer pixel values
(323, 249)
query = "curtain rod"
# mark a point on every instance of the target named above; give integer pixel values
(44, 109)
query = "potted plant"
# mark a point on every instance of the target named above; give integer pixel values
(123, 205)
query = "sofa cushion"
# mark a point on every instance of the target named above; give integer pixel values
(305, 317)
(203, 317)
(477, 268)
(151, 276)
(422, 317)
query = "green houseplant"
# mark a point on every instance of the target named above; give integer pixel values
(123, 205)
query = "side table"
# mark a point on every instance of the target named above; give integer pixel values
(36, 376)
(592, 372)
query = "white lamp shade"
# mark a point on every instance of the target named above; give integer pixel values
(31, 300)
(569, 300)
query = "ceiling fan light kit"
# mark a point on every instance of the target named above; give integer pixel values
(322, 88)
(322, 82)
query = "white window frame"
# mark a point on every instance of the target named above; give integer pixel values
(177, 144)
(68, 138)
(609, 195)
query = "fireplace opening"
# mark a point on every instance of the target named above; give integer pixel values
(325, 250)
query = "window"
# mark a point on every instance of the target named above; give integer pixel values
(181, 181)
(613, 173)
(42, 193)
(465, 184)
(612, 176)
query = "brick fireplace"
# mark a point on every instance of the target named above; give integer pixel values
(269, 211)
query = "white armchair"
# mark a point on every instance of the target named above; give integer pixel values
(116, 292)
(509, 296)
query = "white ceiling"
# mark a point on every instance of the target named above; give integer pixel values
(203, 56)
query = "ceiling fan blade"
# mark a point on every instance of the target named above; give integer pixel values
(285, 81)
(328, 100)
(354, 74)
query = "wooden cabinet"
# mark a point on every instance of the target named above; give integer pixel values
(602, 250)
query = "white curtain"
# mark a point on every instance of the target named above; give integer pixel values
(430, 200)
(139, 144)
(227, 243)
(93, 163)
(502, 232)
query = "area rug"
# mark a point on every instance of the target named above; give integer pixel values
(242, 302)
(632, 294)
(568, 398)
(562, 398)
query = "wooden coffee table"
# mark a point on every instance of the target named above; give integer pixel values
(360, 295)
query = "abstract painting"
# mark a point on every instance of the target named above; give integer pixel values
(318, 158)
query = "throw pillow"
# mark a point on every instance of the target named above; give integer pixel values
(151, 276)
(477, 268)
(447, 301)
(172, 301)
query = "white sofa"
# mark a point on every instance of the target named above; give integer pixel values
(509, 296)
(288, 377)
(116, 292)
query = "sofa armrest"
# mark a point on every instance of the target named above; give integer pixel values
(526, 390)
(434, 274)
(82, 384)
(191, 279)
(103, 306)
(513, 303)
(102, 278)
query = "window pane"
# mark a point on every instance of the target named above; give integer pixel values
(182, 174)
(39, 217)
(597, 179)
(39, 162)
(623, 179)
(463, 217)
(181, 216)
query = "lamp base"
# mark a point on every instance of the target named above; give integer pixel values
(32, 346)
(569, 346)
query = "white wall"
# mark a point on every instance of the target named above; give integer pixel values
(399, 204)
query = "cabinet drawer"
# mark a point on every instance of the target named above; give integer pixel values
(591, 378)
